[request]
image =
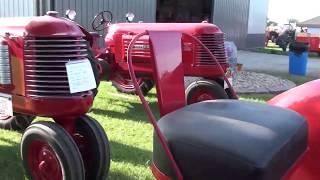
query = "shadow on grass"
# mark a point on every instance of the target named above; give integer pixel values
(134, 112)
(125, 153)
(10, 162)
(11, 165)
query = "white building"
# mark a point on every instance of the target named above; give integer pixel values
(243, 21)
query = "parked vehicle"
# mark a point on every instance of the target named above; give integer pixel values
(46, 70)
(228, 139)
(271, 35)
(312, 39)
(196, 61)
(286, 37)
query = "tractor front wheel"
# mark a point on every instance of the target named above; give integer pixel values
(48, 152)
(94, 147)
(126, 85)
(18, 122)
(199, 89)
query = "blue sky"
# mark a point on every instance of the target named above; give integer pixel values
(281, 10)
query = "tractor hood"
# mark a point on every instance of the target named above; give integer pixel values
(189, 28)
(42, 26)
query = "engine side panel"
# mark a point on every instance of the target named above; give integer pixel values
(305, 100)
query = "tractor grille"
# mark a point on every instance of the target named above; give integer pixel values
(141, 48)
(215, 43)
(45, 59)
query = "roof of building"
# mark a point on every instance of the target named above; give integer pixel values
(311, 23)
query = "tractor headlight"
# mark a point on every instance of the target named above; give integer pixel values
(71, 14)
(129, 17)
(5, 72)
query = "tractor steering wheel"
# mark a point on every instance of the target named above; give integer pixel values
(102, 20)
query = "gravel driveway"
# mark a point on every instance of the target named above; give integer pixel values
(261, 62)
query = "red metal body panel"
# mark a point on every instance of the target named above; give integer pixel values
(189, 28)
(312, 40)
(169, 71)
(119, 36)
(305, 100)
(158, 175)
(54, 107)
(160, 72)
(39, 26)
(16, 31)
(39, 50)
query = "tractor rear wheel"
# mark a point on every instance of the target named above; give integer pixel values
(18, 122)
(48, 152)
(200, 89)
(93, 144)
(126, 85)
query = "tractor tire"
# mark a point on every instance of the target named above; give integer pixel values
(94, 147)
(94, 64)
(48, 152)
(200, 89)
(145, 86)
(18, 122)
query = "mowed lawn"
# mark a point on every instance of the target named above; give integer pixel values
(125, 123)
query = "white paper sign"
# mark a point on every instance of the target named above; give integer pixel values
(80, 76)
(6, 108)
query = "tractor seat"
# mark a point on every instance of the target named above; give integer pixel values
(230, 139)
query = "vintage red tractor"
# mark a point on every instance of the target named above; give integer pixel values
(46, 70)
(228, 139)
(196, 61)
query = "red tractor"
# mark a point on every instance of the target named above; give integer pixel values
(227, 139)
(196, 60)
(46, 70)
(313, 40)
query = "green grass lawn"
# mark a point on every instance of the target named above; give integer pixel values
(271, 49)
(125, 123)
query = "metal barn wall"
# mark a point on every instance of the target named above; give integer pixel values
(257, 23)
(232, 17)
(14, 8)
(144, 10)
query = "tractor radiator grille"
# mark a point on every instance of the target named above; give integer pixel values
(140, 50)
(5, 72)
(45, 59)
(215, 43)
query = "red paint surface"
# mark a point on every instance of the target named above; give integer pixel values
(54, 106)
(42, 26)
(201, 95)
(189, 28)
(168, 70)
(43, 162)
(312, 40)
(15, 30)
(145, 104)
(305, 100)
(118, 33)
(158, 174)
